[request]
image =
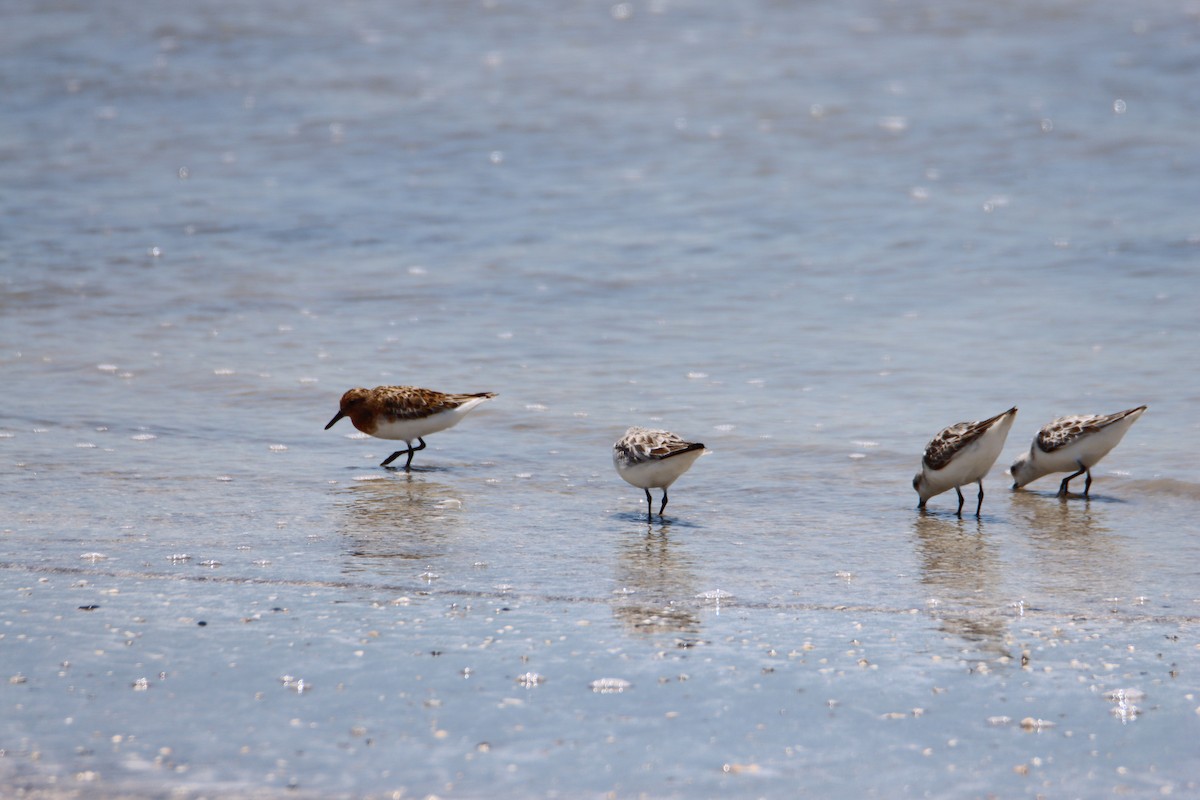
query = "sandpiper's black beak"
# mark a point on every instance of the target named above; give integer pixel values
(336, 417)
(1016, 485)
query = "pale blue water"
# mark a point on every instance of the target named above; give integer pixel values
(809, 235)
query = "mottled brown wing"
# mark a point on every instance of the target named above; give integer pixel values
(952, 439)
(654, 445)
(673, 447)
(409, 402)
(1064, 430)
(946, 444)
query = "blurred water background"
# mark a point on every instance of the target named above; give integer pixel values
(809, 234)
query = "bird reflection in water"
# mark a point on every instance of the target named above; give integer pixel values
(403, 518)
(655, 583)
(1077, 556)
(962, 570)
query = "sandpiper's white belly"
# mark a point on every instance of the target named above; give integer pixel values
(1085, 451)
(656, 474)
(409, 430)
(969, 466)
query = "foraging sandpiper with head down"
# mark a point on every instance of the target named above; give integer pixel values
(652, 459)
(405, 413)
(962, 454)
(1075, 443)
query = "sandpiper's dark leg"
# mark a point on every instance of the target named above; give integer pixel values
(1062, 487)
(1087, 486)
(664, 503)
(958, 491)
(979, 507)
(649, 504)
(394, 456)
(411, 450)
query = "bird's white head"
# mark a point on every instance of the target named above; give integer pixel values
(1022, 471)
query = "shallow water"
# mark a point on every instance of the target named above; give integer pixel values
(807, 235)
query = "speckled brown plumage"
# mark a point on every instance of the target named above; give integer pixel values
(950, 440)
(644, 444)
(1065, 430)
